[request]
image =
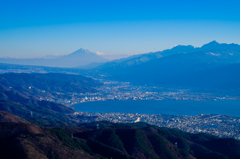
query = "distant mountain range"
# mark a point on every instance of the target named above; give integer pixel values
(213, 65)
(78, 58)
(182, 66)
(86, 59)
(229, 52)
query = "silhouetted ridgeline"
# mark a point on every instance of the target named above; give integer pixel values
(19, 139)
(231, 51)
(213, 65)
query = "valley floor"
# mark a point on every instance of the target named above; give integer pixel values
(219, 125)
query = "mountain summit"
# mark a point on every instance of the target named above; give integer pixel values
(81, 51)
(214, 45)
(80, 57)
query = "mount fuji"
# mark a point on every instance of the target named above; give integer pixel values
(78, 58)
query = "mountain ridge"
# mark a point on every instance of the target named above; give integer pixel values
(111, 140)
(77, 58)
(182, 68)
(28, 96)
(210, 47)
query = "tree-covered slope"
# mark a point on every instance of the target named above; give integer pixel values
(119, 141)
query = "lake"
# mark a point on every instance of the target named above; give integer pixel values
(174, 107)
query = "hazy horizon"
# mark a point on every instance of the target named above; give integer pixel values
(37, 29)
(106, 56)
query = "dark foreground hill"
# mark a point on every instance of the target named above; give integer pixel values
(8, 117)
(118, 141)
(27, 141)
(141, 140)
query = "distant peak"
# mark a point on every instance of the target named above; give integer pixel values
(182, 48)
(82, 50)
(85, 49)
(211, 45)
(214, 42)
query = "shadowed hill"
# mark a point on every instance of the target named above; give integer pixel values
(15, 96)
(119, 141)
(49, 82)
(43, 112)
(8, 117)
(26, 141)
(50, 86)
(24, 94)
(40, 115)
(141, 140)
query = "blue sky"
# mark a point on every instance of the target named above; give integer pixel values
(32, 28)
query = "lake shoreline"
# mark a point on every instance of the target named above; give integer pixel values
(174, 107)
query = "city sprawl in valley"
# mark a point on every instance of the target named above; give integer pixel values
(114, 90)
(219, 125)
